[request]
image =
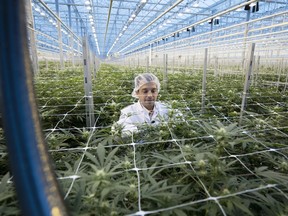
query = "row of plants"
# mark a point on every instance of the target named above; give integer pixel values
(203, 163)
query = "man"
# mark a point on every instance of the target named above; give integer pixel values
(147, 110)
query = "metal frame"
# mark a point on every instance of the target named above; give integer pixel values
(114, 31)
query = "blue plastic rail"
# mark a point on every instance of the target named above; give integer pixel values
(36, 184)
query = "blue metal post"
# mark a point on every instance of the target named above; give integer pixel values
(33, 176)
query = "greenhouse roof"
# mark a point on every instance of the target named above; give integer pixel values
(118, 27)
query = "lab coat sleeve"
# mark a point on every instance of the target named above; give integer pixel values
(126, 122)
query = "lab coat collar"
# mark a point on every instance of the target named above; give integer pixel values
(148, 118)
(145, 110)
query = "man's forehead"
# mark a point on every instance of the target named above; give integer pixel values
(150, 85)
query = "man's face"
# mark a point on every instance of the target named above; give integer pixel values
(147, 95)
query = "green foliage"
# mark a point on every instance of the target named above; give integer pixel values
(201, 163)
(8, 201)
(3, 155)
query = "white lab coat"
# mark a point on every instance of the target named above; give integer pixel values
(135, 114)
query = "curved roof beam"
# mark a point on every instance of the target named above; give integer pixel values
(107, 23)
(139, 7)
(153, 21)
(197, 23)
(58, 18)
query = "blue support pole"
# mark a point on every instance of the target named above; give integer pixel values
(36, 184)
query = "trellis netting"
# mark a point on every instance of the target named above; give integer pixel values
(203, 164)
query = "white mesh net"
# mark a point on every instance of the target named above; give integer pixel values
(206, 164)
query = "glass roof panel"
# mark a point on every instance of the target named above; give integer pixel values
(118, 26)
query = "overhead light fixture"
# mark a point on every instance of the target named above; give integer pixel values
(143, 1)
(255, 7)
(216, 20)
(247, 7)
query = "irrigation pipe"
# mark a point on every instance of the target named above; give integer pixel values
(35, 182)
